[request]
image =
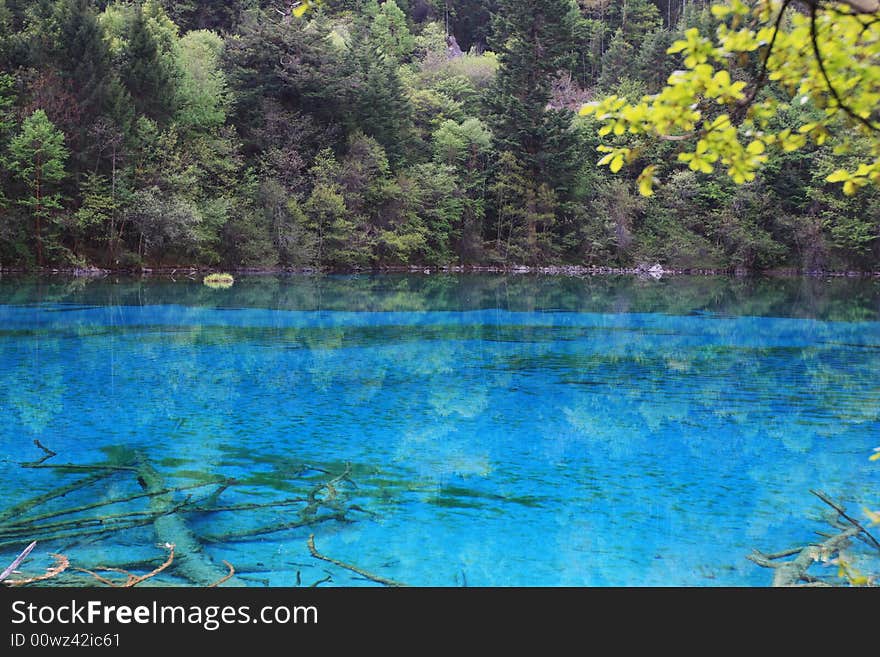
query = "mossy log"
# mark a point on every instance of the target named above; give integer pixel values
(192, 562)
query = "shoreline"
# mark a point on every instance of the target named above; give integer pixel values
(655, 272)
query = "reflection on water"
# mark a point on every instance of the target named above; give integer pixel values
(500, 430)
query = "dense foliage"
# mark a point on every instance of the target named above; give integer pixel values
(358, 134)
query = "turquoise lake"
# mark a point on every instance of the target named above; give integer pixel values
(495, 431)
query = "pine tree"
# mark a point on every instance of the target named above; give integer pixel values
(145, 75)
(470, 21)
(652, 65)
(81, 55)
(389, 31)
(268, 78)
(37, 156)
(208, 14)
(617, 61)
(6, 32)
(7, 99)
(533, 43)
(635, 18)
(383, 109)
(89, 86)
(94, 218)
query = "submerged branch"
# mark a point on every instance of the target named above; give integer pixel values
(354, 569)
(794, 572)
(27, 505)
(47, 454)
(83, 523)
(17, 562)
(226, 577)
(93, 533)
(270, 529)
(61, 564)
(131, 580)
(118, 500)
(855, 523)
(324, 501)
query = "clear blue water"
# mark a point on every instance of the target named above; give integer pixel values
(500, 431)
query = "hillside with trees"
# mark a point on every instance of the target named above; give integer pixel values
(366, 134)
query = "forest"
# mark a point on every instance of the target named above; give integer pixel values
(354, 134)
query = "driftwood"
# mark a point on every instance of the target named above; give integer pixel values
(795, 571)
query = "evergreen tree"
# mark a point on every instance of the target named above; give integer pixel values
(145, 75)
(95, 216)
(6, 33)
(80, 54)
(208, 14)
(7, 99)
(533, 43)
(36, 156)
(652, 64)
(280, 68)
(470, 21)
(389, 31)
(617, 62)
(635, 18)
(382, 108)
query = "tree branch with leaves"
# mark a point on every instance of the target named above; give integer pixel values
(826, 54)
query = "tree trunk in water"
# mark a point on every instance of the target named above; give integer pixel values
(190, 561)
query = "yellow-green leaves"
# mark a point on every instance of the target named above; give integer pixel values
(737, 8)
(788, 141)
(719, 87)
(850, 47)
(300, 8)
(700, 159)
(615, 158)
(852, 181)
(756, 147)
(697, 49)
(646, 180)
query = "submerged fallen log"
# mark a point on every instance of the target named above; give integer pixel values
(171, 528)
(166, 509)
(795, 572)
